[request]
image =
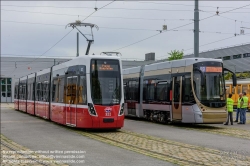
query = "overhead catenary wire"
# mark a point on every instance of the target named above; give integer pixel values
(213, 42)
(49, 48)
(107, 17)
(88, 7)
(176, 28)
(118, 28)
(79, 7)
(227, 17)
(63, 37)
(184, 25)
(186, 5)
(98, 10)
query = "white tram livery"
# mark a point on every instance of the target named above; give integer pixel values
(188, 91)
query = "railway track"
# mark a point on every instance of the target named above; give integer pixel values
(171, 151)
(15, 157)
(13, 154)
(233, 132)
(227, 131)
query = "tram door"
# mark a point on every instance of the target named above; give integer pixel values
(177, 96)
(71, 100)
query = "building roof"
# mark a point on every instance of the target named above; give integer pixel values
(17, 67)
(233, 63)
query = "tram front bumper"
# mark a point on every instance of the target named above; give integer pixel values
(214, 117)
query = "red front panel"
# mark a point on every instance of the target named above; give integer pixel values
(31, 107)
(108, 117)
(16, 104)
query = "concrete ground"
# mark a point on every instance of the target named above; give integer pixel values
(44, 135)
(193, 137)
(37, 134)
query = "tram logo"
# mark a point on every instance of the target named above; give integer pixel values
(108, 111)
(203, 69)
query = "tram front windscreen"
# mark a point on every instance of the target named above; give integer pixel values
(105, 78)
(211, 90)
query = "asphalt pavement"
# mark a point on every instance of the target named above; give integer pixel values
(38, 134)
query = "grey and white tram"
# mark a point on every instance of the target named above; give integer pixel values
(188, 90)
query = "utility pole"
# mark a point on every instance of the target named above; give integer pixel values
(77, 44)
(196, 29)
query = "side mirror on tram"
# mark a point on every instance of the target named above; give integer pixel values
(233, 76)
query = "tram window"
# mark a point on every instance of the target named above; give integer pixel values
(82, 91)
(244, 88)
(227, 90)
(133, 90)
(233, 90)
(162, 91)
(187, 91)
(24, 92)
(55, 90)
(125, 90)
(45, 91)
(239, 89)
(61, 90)
(150, 91)
(29, 92)
(33, 90)
(144, 90)
(20, 92)
(39, 92)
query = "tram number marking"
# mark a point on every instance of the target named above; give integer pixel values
(108, 114)
(108, 111)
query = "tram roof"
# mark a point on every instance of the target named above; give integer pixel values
(74, 60)
(169, 64)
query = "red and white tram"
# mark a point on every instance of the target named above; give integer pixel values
(85, 92)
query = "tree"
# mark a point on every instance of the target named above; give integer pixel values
(175, 54)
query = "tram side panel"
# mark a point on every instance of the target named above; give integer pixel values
(42, 93)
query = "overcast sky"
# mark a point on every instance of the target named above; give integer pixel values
(21, 36)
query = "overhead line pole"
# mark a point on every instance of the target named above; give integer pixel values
(77, 44)
(196, 29)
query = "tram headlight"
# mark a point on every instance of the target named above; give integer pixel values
(92, 110)
(121, 112)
